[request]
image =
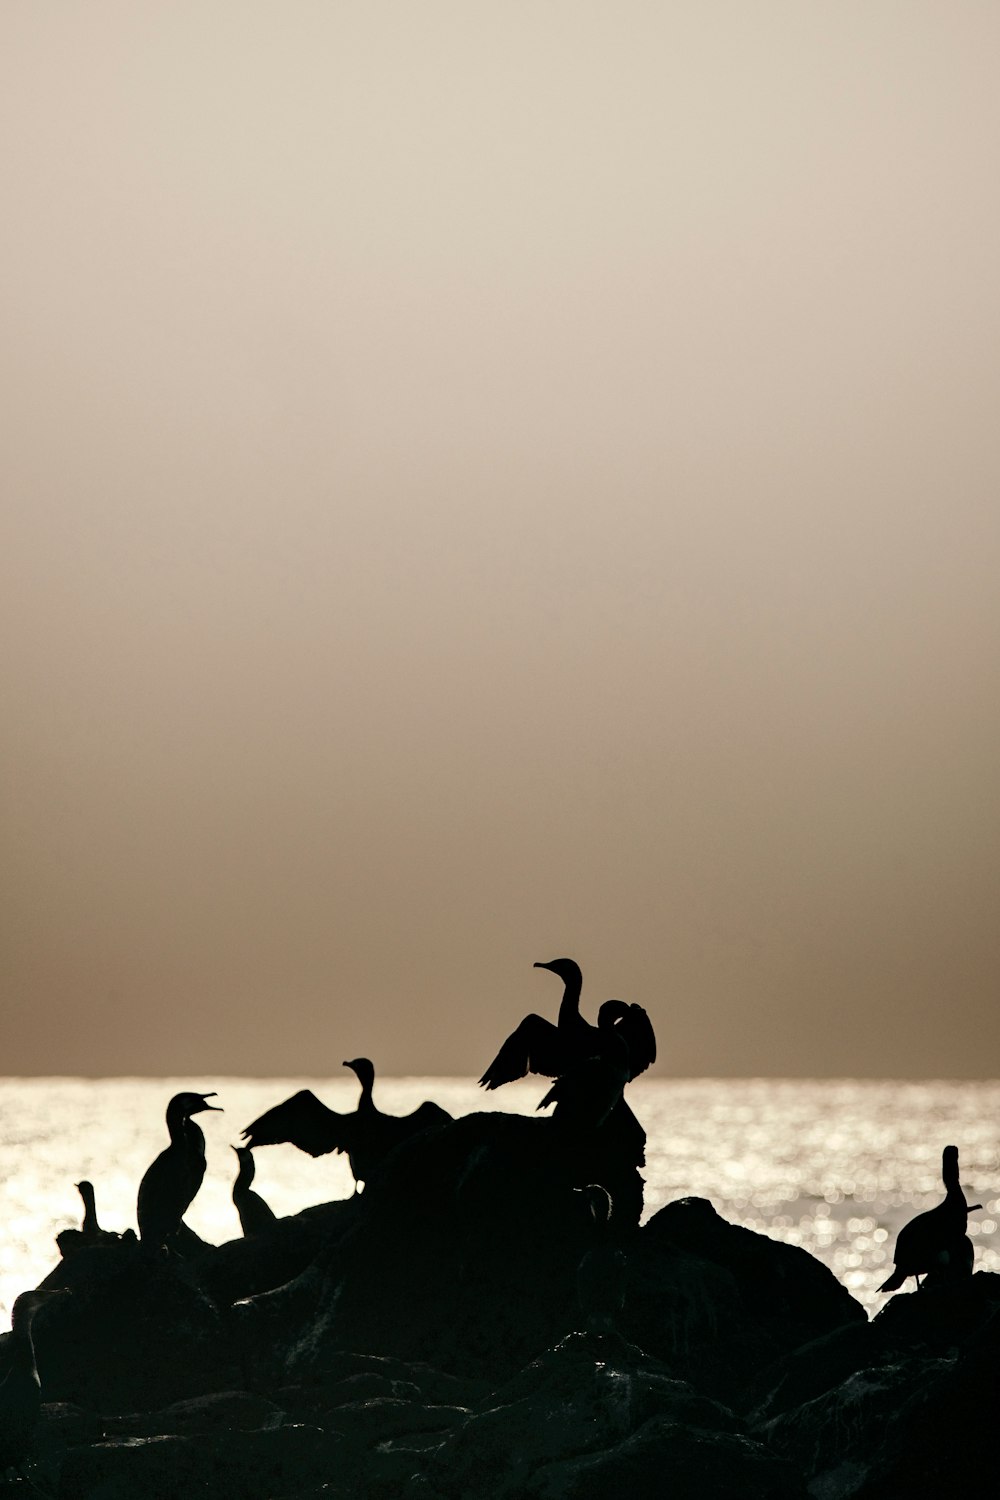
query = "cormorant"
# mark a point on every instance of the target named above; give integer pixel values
(20, 1389)
(366, 1135)
(90, 1231)
(936, 1239)
(538, 1046)
(173, 1179)
(254, 1213)
(600, 1276)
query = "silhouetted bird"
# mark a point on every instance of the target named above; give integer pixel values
(538, 1046)
(20, 1389)
(934, 1240)
(171, 1182)
(366, 1135)
(254, 1213)
(600, 1276)
(90, 1231)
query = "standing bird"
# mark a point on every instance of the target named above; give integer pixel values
(934, 1240)
(20, 1389)
(90, 1231)
(171, 1182)
(538, 1046)
(600, 1276)
(366, 1135)
(254, 1213)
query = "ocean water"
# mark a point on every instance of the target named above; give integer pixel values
(834, 1165)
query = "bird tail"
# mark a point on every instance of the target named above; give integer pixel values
(894, 1282)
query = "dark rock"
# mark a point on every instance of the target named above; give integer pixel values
(775, 1280)
(225, 1411)
(937, 1317)
(587, 1395)
(251, 1465)
(843, 1426)
(466, 1252)
(667, 1458)
(344, 1367)
(385, 1417)
(723, 1302)
(942, 1441)
(135, 1334)
(274, 1256)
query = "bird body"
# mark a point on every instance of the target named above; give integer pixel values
(254, 1213)
(170, 1183)
(937, 1239)
(586, 1094)
(366, 1136)
(20, 1389)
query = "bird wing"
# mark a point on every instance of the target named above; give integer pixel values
(636, 1028)
(303, 1121)
(535, 1046)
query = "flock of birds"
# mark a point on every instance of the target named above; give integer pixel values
(591, 1066)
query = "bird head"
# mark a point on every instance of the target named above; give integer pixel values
(189, 1104)
(364, 1068)
(566, 968)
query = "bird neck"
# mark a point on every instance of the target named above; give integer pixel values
(244, 1176)
(192, 1137)
(366, 1078)
(949, 1175)
(90, 1224)
(569, 1008)
(21, 1346)
(178, 1121)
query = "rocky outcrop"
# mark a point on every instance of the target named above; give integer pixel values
(435, 1339)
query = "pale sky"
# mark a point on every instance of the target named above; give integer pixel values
(490, 482)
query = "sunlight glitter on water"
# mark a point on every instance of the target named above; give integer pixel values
(834, 1166)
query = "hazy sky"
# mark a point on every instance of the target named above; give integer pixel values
(485, 482)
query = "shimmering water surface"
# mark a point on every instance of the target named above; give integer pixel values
(835, 1166)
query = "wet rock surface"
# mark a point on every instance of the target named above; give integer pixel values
(425, 1341)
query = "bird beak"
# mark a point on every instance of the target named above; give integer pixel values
(974, 1207)
(541, 966)
(212, 1095)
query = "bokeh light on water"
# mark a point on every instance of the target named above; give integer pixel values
(834, 1166)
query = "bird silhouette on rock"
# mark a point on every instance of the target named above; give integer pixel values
(366, 1135)
(20, 1388)
(254, 1213)
(90, 1231)
(170, 1183)
(539, 1046)
(935, 1240)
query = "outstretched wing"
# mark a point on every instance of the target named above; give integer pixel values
(633, 1025)
(536, 1046)
(304, 1121)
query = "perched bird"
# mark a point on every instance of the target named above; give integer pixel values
(366, 1135)
(171, 1182)
(934, 1240)
(20, 1389)
(600, 1276)
(538, 1046)
(254, 1213)
(90, 1231)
